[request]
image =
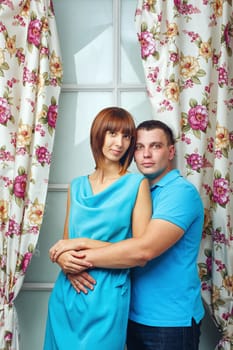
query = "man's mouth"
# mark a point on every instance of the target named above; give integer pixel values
(147, 165)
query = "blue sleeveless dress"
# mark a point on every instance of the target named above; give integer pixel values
(98, 320)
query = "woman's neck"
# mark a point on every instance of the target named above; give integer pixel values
(106, 174)
(102, 178)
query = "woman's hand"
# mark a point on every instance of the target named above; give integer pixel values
(71, 262)
(62, 246)
(77, 244)
(81, 281)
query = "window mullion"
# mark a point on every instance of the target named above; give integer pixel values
(116, 50)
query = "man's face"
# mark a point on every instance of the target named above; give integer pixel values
(153, 155)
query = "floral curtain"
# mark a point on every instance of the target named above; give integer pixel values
(30, 81)
(186, 49)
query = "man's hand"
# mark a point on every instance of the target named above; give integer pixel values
(71, 262)
(81, 281)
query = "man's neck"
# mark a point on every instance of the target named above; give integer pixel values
(153, 181)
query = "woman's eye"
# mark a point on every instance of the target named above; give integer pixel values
(112, 133)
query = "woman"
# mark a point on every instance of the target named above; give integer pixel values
(109, 205)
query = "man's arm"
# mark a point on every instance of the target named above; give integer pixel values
(159, 236)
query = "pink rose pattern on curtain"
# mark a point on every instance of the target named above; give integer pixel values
(30, 83)
(186, 50)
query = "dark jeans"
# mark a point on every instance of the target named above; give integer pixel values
(141, 337)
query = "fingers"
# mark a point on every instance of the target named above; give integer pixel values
(88, 277)
(79, 259)
(82, 282)
(74, 284)
(85, 280)
(59, 247)
(70, 264)
(53, 251)
(80, 287)
(81, 264)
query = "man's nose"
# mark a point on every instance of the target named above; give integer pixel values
(146, 153)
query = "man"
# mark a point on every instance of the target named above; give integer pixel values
(166, 307)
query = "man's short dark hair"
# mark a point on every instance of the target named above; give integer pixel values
(157, 124)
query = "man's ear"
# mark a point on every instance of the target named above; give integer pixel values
(172, 152)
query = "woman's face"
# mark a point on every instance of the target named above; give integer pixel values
(115, 145)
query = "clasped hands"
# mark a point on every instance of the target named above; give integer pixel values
(73, 257)
(73, 264)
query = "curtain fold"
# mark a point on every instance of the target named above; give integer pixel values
(30, 83)
(186, 50)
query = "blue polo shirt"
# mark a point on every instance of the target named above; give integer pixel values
(167, 291)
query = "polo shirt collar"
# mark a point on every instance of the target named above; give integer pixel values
(170, 176)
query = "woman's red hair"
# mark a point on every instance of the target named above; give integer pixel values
(112, 119)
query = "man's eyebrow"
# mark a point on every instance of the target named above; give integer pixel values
(157, 143)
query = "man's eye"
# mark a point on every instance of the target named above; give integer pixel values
(138, 147)
(156, 146)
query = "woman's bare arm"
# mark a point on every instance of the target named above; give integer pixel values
(142, 210)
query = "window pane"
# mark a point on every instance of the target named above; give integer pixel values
(72, 155)
(131, 65)
(138, 104)
(86, 40)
